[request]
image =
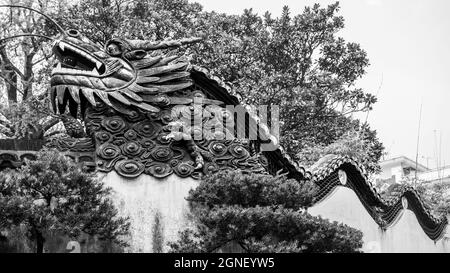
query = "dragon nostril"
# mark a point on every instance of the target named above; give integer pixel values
(73, 32)
(102, 69)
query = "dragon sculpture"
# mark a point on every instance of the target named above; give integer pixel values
(138, 101)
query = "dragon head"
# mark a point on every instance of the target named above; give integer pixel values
(120, 74)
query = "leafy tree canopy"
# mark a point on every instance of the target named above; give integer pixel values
(260, 213)
(54, 194)
(436, 197)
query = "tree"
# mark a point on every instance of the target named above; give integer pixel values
(24, 60)
(29, 119)
(260, 213)
(436, 197)
(355, 144)
(25, 63)
(135, 19)
(298, 63)
(54, 194)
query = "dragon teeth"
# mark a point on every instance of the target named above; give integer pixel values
(61, 93)
(95, 72)
(74, 92)
(89, 95)
(61, 70)
(63, 46)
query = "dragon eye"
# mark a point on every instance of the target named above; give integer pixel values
(73, 32)
(113, 49)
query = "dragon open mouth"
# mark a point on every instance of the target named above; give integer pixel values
(74, 61)
(87, 74)
(82, 78)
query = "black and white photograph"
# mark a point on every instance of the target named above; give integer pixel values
(214, 135)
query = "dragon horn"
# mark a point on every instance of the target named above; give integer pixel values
(154, 45)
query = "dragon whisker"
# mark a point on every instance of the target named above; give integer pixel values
(27, 35)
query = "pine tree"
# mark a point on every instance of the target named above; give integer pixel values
(260, 213)
(53, 194)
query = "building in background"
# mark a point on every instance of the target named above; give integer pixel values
(404, 170)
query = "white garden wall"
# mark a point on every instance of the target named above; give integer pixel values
(404, 235)
(143, 198)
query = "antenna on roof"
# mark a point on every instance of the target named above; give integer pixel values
(437, 154)
(417, 148)
(440, 157)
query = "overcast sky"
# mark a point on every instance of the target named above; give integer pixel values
(408, 45)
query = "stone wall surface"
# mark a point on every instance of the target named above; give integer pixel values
(404, 235)
(153, 206)
(157, 210)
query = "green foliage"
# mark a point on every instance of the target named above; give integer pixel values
(260, 213)
(296, 62)
(53, 194)
(435, 197)
(157, 19)
(356, 144)
(25, 64)
(234, 188)
(28, 119)
(24, 61)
